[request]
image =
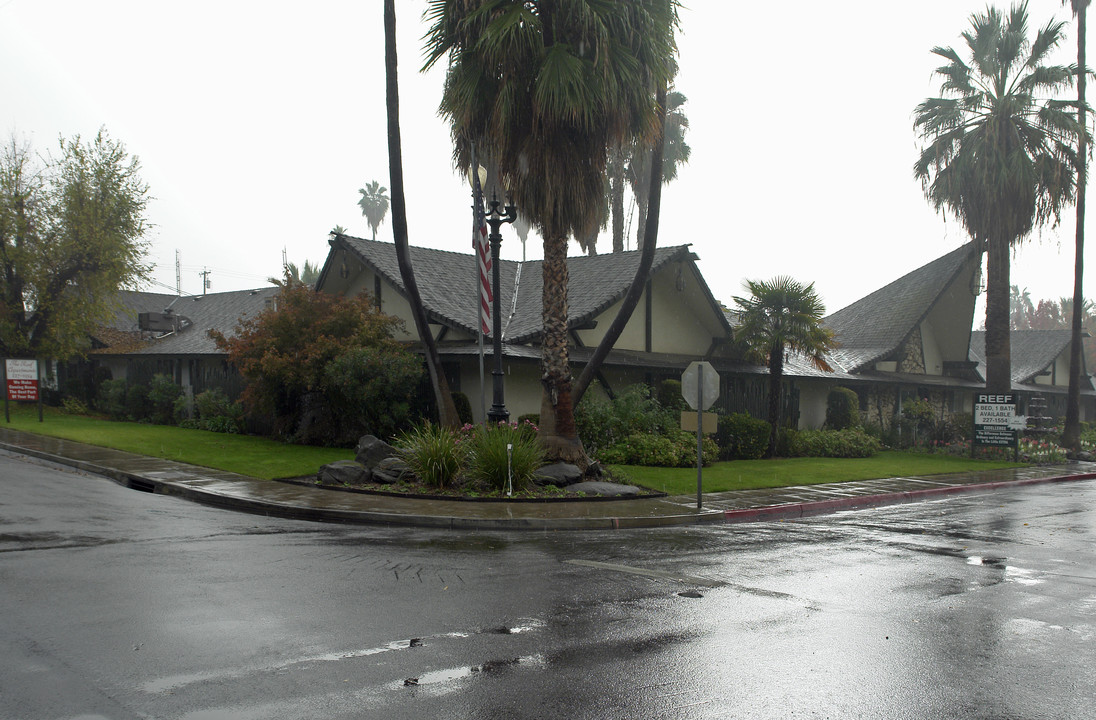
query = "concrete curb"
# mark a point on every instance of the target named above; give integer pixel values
(790, 511)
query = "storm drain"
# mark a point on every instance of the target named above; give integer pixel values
(141, 484)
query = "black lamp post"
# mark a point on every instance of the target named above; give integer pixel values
(496, 216)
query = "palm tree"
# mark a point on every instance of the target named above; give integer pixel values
(675, 150)
(550, 86)
(999, 155)
(447, 410)
(782, 316)
(374, 205)
(1071, 433)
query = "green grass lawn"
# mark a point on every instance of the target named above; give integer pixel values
(781, 472)
(253, 456)
(269, 459)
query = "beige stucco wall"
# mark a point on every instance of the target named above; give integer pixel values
(683, 321)
(930, 347)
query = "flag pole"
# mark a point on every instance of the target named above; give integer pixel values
(477, 205)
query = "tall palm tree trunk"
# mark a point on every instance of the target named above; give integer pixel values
(1071, 435)
(776, 379)
(447, 411)
(998, 349)
(557, 417)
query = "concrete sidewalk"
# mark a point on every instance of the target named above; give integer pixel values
(266, 497)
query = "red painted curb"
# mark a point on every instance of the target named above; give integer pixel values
(821, 507)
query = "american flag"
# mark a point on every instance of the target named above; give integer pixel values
(483, 250)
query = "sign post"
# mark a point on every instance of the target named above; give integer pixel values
(996, 423)
(700, 388)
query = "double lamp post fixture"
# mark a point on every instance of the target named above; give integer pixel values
(495, 217)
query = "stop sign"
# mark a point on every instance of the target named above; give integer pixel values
(700, 381)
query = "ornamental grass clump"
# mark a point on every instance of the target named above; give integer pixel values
(508, 452)
(434, 453)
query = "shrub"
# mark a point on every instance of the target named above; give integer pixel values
(162, 394)
(215, 412)
(832, 443)
(602, 423)
(433, 453)
(491, 462)
(73, 406)
(669, 395)
(369, 390)
(138, 408)
(741, 437)
(111, 399)
(842, 409)
(675, 449)
(529, 419)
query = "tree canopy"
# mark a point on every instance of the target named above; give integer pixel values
(71, 235)
(374, 205)
(1000, 150)
(543, 89)
(324, 368)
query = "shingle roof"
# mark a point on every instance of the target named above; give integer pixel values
(448, 283)
(1031, 351)
(875, 326)
(215, 311)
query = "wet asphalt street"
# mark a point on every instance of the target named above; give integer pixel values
(121, 604)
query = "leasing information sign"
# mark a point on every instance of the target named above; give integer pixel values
(22, 376)
(995, 420)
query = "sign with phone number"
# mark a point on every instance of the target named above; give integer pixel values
(22, 379)
(995, 420)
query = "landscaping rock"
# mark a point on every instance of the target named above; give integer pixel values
(391, 470)
(371, 450)
(343, 472)
(604, 489)
(560, 475)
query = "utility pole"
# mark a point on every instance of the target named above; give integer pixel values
(178, 275)
(205, 280)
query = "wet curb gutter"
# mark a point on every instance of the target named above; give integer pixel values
(791, 511)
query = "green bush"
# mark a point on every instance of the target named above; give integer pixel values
(215, 412)
(490, 461)
(674, 449)
(602, 424)
(111, 399)
(529, 419)
(138, 408)
(853, 443)
(842, 409)
(741, 437)
(73, 406)
(669, 395)
(162, 394)
(370, 390)
(434, 453)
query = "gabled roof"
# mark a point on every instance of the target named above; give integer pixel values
(875, 326)
(448, 283)
(1032, 352)
(198, 315)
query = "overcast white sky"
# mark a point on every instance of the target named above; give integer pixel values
(256, 123)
